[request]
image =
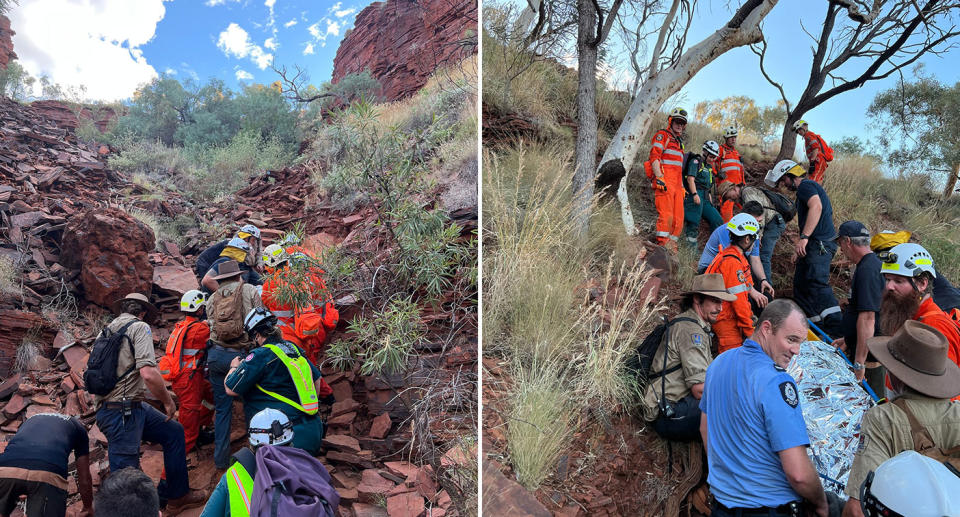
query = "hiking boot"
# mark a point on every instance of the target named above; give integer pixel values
(192, 499)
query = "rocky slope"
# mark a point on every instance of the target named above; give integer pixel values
(6, 42)
(70, 246)
(402, 42)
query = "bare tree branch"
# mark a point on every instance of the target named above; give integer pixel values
(761, 53)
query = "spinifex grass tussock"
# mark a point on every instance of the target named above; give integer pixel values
(540, 423)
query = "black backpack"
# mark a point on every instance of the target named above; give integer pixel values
(640, 364)
(786, 208)
(101, 375)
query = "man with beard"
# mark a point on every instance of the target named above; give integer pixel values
(815, 248)
(671, 400)
(909, 273)
(860, 321)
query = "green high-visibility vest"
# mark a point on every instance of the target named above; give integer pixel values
(300, 372)
(240, 489)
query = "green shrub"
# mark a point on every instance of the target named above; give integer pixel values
(383, 342)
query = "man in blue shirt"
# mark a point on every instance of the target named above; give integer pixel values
(752, 425)
(815, 248)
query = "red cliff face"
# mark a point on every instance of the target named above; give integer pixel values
(402, 42)
(6, 42)
(64, 116)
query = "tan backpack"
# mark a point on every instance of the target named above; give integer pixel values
(923, 442)
(226, 319)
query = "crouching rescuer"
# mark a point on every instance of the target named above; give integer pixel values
(671, 398)
(278, 375)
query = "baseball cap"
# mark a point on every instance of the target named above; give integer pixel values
(853, 229)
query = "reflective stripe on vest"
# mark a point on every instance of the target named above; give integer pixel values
(299, 369)
(283, 314)
(240, 490)
(739, 288)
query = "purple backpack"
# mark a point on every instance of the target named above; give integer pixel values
(291, 483)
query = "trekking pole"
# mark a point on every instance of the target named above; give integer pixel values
(863, 383)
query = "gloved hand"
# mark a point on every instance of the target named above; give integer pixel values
(328, 400)
(658, 184)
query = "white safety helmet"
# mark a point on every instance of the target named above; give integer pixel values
(251, 229)
(677, 113)
(907, 259)
(238, 243)
(192, 300)
(910, 484)
(782, 167)
(270, 427)
(730, 131)
(258, 317)
(743, 224)
(798, 124)
(712, 148)
(274, 255)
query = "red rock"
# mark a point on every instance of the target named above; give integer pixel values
(443, 500)
(405, 505)
(175, 279)
(15, 406)
(368, 510)
(426, 485)
(373, 486)
(15, 325)
(393, 39)
(151, 463)
(65, 117)
(343, 480)
(502, 496)
(351, 219)
(6, 42)
(380, 427)
(342, 442)
(341, 407)
(404, 469)
(110, 266)
(63, 339)
(76, 356)
(342, 390)
(344, 420)
(67, 385)
(96, 435)
(351, 459)
(42, 398)
(347, 495)
(34, 409)
(401, 489)
(456, 456)
(9, 386)
(72, 406)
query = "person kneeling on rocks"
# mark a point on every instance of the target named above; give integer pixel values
(278, 375)
(270, 431)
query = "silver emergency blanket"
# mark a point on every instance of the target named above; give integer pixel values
(833, 404)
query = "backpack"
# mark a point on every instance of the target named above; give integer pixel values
(786, 208)
(101, 375)
(226, 319)
(291, 483)
(923, 442)
(639, 365)
(825, 149)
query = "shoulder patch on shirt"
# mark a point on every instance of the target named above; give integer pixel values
(740, 277)
(697, 340)
(249, 357)
(659, 137)
(789, 393)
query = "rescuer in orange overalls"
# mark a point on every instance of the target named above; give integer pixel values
(307, 327)
(182, 366)
(665, 170)
(817, 156)
(735, 322)
(730, 169)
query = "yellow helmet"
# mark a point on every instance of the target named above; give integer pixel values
(888, 239)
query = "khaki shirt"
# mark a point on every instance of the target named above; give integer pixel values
(754, 194)
(689, 346)
(250, 297)
(885, 432)
(132, 386)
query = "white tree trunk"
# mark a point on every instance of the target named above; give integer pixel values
(622, 151)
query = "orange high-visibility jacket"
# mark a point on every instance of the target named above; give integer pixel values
(669, 150)
(811, 142)
(730, 164)
(733, 265)
(184, 347)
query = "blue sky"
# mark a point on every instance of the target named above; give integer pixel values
(788, 61)
(112, 46)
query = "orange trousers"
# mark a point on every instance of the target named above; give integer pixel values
(817, 169)
(728, 208)
(728, 334)
(196, 404)
(669, 215)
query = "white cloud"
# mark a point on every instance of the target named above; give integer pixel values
(321, 34)
(214, 3)
(308, 49)
(290, 23)
(170, 71)
(271, 43)
(234, 41)
(243, 75)
(345, 12)
(94, 43)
